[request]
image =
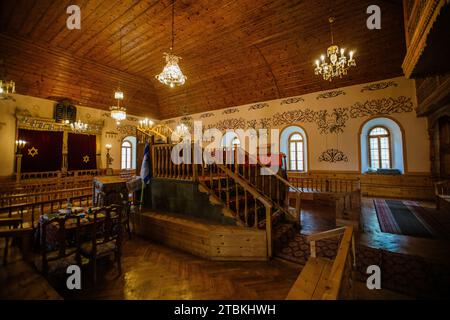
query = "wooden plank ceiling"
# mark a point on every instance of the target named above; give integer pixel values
(234, 51)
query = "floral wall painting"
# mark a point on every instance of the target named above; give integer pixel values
(379, 86)
(333, 155)
(384, 106)
(330, 94)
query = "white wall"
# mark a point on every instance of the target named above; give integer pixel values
(390, 100)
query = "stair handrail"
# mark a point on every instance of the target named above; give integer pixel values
(289, 185)
(286, 182)
(247, 186)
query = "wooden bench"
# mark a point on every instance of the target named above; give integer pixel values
(326, 279)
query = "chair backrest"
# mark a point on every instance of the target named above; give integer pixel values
(107, 226)
(60, 234)
(109, 198)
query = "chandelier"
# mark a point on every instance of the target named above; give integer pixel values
(78, 126)
(338, 62)
(119, 113)
(172, 75)
(146, 124)
(7, 87)
(181, 131)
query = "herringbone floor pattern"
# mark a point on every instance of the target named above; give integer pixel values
(153, 271)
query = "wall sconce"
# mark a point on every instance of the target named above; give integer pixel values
(109, 159)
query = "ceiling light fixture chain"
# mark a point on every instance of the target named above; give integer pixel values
(173, 25)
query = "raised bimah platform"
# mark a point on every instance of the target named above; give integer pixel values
(203, 238)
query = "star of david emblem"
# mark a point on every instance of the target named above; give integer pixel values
(33, 151)
(86, 159)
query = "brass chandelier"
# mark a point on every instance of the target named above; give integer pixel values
(338, 63)
(172, 75)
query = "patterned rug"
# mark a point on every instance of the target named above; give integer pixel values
(407, 218)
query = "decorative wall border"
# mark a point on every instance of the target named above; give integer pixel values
(230, 111)
(292, 100)
(333, 155)
(384, 106)
(331, 94)
(258, 106)
(379, 86)
(207, 115)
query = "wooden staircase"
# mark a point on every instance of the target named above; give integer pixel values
(253, 199)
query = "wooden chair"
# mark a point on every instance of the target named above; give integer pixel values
(106, 237)
(60, 244)
(14, 229)
(117, 198)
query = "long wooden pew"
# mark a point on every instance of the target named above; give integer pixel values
(24, 198)
(326, 279)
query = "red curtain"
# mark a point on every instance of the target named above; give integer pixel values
(43, 151)
(81, 151)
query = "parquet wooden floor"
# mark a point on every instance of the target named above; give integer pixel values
(153, 271)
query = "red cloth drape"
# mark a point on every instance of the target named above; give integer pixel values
(81, 152)
(43, 151)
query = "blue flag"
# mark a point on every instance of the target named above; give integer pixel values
(145, 168)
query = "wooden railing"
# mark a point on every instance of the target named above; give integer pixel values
(40, 175)
(271, 183)
(45, 185)
(163, 166)
(245, 202)
(84, 173)
(334, 185)
(321, 281)
(43, 196)
(30, 212)
(59, 174)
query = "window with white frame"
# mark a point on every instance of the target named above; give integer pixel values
(380, 148)
(126, 155)
(296, 152)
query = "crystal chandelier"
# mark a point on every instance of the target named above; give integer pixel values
(338, 62)
(118, 113)
(172, 74)
(78, 126)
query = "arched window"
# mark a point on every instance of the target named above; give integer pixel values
(296, 154)
(126, 155)
(380, 148)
